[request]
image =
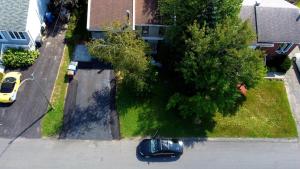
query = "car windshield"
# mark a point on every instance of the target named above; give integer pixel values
(154, 146)
(8, 85)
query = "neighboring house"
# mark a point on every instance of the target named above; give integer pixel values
(139, 14)
(276, 23)
(20, 22)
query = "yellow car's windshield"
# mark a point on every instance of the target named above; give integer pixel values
(8, 85)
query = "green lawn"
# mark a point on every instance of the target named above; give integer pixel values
(265, 113)
(76, 33)
(298, 4)
(53, 120)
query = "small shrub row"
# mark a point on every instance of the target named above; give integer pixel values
(19, 58)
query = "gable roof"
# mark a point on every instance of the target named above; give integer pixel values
(274, 21)
(13, 14)
(102, 13)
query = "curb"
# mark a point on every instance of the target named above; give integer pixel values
(222, 139)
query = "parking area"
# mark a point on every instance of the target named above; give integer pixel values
(89, 108)
(22, 118)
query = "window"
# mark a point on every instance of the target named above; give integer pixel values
(2, 37)
(16, 35)
(284, 47)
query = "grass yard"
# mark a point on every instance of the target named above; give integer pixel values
(76, 33)
(52, 122)
(265, 113)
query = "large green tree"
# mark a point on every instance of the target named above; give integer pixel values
(214, 62)
(127, 54)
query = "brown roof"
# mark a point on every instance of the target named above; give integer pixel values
(146, 12)
(104, 12)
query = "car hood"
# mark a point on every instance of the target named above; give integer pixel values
(5, 97)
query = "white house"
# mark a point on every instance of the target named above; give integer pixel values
(20, 22)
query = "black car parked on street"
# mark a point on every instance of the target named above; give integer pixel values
(160, 148)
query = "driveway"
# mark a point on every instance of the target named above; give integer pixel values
(22, 118)
(292, 83)
(77, 154)
(90, 104)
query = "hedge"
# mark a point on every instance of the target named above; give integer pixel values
(19, 58)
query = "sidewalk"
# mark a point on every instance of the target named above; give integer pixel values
(292, 85)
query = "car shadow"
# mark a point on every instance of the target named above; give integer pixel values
(5, 104)
(155, 159)
(295, 69)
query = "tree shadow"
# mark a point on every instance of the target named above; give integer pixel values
(152, 115)
(82, 122)
(296, 71)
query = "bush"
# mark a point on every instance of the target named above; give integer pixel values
(281, 63)
(19, 58)
(286, 64)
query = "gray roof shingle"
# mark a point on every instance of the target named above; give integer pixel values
(13, 14)
(277, 20)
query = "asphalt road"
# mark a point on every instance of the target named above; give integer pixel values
(22, 118)
(88, 104)
(75, 154)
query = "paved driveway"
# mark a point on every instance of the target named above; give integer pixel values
(292, 83)
(89, 104)
(22, 118)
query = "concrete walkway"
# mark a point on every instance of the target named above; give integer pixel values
(76, 154)
(292, 85)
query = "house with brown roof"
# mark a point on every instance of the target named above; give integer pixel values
(141, 15)
(276, 24)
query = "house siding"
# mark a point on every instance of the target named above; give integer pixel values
(271, 51)
(36, 12)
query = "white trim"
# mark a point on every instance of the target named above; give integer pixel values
(152, 38)
(88, 15)
(152, 25)
(133, 14)
(265, 45)
(3, 37)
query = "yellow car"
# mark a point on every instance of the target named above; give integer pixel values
(9, 87)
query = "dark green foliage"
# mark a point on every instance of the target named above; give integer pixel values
(216, 60)
(19, 58)
(287, 63)
(127, 54)
(278, 63)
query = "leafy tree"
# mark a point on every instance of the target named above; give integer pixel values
(127, 54)
(187, 11)
(216, 60)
